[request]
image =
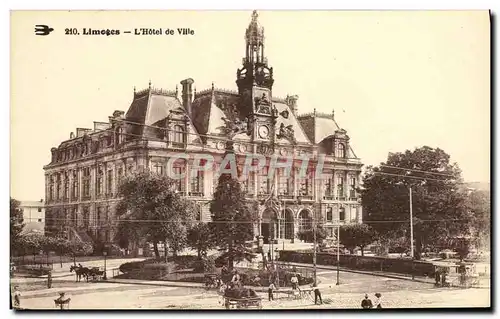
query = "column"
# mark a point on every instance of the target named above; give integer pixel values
(186, 178)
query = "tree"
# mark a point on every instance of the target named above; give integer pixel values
(16, 224)
(356, 235)
(438, 201)
(152, 210)
(201, 238)
(232, 217)
(307, 235)
(479, 204)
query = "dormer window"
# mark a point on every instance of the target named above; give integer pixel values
(340, 151)
(178, 135)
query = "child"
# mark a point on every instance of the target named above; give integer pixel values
(17, 298)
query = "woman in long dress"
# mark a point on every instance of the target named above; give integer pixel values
(378, 301)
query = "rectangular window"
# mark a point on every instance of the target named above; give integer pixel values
(74, 194)
(329, 214)
(179, 183)
(51, 188)
(340, 188)
(58, 187)
(39, 209)
(328, 185)
(109, 183)
(100, 180)
(284, 182)
(305, 184)
(264, 181)
(196, 183)
(248, 184)
(158, 168)
(66, 186)
(86, 182)
(352, 190)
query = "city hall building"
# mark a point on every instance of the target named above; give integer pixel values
(83, 176)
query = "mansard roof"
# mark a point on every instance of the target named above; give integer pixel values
(320, 126)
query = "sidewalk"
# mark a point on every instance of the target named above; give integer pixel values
(371, 273)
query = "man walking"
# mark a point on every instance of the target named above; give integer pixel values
(317, 294)
(270, 291)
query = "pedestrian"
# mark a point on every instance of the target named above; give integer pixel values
(295, 281)
(17, 298)
(378, 301)
(366, 303)
(437, 278)
(236, 279)
(317, 294)
(270, 291)
(49, 279)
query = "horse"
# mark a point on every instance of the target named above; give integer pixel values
(80, 271)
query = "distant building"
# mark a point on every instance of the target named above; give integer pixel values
(83, 176)
(33, 216)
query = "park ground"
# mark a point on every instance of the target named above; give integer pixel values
(396, 293)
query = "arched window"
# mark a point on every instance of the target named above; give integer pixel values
(305, 220)
(340, 151)
(178, 135)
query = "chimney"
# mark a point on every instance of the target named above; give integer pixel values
(292, 103)
(187, 94)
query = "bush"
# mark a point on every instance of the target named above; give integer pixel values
(159, 267)
(402, 266)
(131, 266)
(205, 265)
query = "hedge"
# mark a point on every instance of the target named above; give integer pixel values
(401, 266)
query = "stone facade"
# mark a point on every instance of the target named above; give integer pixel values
(84, 173)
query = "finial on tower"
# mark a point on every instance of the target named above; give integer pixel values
(333, 114)
(314, 112)
(176, 90)
(150, 84)
(255, 15)
(134, 90)
(213, 86)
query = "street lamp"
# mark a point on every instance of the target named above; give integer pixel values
(105, 277)
(341, 210)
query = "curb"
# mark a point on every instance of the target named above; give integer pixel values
(359, 272)
(174, 284)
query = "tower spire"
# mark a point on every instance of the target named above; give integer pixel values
(254, 37)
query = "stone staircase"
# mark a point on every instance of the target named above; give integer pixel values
(80, 235)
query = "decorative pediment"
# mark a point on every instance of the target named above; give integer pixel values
(341, 134)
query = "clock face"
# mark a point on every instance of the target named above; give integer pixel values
(263, 131)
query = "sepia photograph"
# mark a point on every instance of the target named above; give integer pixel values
(250, 160)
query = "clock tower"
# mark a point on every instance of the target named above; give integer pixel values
(255, 82)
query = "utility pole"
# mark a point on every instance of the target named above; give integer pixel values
(411, 226)
(411, 239)
(314, 243)
(338, 253)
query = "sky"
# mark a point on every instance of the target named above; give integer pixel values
(396, 80)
